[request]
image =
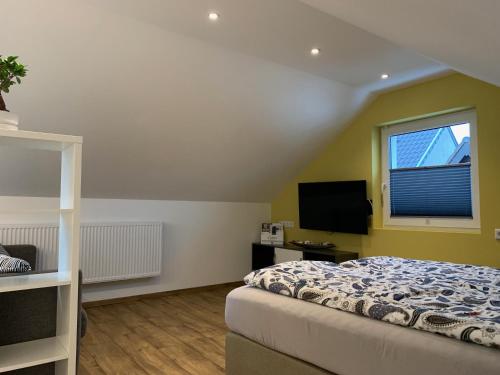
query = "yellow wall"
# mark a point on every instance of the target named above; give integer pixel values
(355, 154)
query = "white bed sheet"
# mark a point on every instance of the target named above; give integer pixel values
(348, 344)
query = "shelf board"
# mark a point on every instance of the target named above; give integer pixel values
(36, 140)
(34, 281)
(14, 211)
(31, 353)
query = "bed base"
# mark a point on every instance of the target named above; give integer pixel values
(246, 357)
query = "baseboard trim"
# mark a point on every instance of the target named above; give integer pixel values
(138, 297)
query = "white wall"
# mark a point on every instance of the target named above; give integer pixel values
(205, 243)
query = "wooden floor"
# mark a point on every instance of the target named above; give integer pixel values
(175, 334)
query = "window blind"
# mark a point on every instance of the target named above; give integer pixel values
(441, 191)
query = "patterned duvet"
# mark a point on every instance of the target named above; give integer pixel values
(455, 300)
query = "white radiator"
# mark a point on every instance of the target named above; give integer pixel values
(108, 251)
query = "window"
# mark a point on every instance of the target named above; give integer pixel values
(429, 174)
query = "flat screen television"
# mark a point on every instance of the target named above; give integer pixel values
(340, 206)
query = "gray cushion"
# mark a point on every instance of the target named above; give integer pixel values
(3, 251)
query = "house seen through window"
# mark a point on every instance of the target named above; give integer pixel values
(430, 172)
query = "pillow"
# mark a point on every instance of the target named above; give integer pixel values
(3, 251)
(9, 264)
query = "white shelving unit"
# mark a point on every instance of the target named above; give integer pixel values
(60, 349)
(35, 211)
(42, 280)
(32, 353)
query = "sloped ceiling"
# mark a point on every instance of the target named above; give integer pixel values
(463, 34)
(173, 107)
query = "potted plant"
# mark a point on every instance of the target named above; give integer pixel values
(11, 73)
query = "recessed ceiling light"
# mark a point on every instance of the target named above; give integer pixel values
(315, 51)
(213, 16)
(384, 76)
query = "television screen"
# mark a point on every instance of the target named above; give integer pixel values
(334, 206)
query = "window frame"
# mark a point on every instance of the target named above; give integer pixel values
(450, 119)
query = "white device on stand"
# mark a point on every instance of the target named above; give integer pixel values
(272, 233)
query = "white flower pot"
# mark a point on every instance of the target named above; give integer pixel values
(8, 121)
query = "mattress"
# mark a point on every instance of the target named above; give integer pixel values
(348, 344)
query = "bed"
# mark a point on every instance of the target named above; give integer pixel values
(271, 333)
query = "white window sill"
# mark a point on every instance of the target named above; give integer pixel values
(434, 229)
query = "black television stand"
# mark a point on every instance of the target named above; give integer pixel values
(265, 255)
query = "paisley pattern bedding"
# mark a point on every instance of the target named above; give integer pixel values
(455, 300)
